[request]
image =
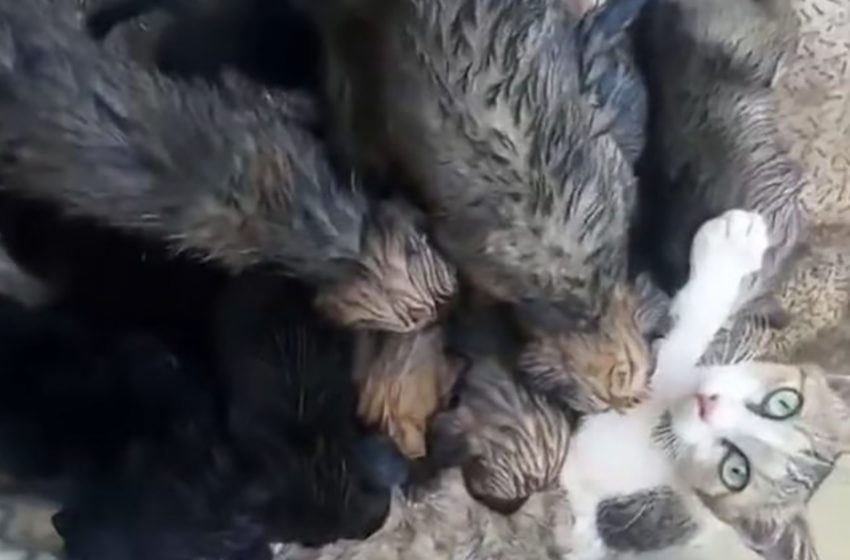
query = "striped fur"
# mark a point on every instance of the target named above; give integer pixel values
(714, 141)
(482, 108)
(228, 177)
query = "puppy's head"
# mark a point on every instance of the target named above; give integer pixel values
(400, 283)
(509, 442)
(606, 366)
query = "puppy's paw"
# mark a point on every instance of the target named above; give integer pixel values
(731, 245)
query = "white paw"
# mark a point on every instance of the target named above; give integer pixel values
(732, 244)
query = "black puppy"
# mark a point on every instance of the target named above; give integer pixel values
(162, 461)
(74, 398)
(110, 279)
(288, 377)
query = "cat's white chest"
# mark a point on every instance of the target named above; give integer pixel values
(611, 455)
(614, 454)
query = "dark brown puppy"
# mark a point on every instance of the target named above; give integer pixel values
(486, 108)
(234, 178)
(714, 143)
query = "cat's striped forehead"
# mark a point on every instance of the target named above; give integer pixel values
(788, 458)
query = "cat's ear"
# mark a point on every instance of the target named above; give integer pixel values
(778, 539)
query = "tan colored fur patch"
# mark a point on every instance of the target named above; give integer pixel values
(400, 285)
(402, 380)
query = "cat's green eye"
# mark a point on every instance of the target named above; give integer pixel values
(734, 469)
(781, 404)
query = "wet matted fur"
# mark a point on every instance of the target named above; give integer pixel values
(236, 182)
(501, 117)
(509, 441)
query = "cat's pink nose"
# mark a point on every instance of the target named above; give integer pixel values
(706, 405)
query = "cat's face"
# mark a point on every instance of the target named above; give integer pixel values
(758, 440)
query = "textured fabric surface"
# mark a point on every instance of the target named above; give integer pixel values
(814, 102)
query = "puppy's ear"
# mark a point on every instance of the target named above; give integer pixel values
(778, 539)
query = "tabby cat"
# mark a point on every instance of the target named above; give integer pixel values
(747, 443)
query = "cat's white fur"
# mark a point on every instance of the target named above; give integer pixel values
(613, 454)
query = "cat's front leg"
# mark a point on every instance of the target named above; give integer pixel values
(725, 251)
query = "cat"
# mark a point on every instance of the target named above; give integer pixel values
(746, 443)
(577, 518)
(238, 183)
(714, 141)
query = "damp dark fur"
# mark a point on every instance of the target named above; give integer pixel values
(177, 472)
(502, 119)
(481, 104)
(228, 177)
